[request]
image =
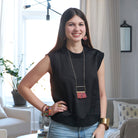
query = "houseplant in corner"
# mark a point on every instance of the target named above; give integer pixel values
(8, 67)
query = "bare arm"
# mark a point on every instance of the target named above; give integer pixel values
(99, 132)
(103, 99)
(31, 78)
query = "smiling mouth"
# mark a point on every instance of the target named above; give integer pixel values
(76, 34)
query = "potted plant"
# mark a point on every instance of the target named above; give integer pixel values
(8, 67)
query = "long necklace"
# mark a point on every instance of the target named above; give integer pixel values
(80, 89)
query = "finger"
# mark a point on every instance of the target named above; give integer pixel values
(61, 110)
(62, 102)
(93, 136)
(59, 105)
(62, 107)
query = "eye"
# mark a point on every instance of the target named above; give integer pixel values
(70, 24)
(81, 24)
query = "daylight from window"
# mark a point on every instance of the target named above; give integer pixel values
(28, 33)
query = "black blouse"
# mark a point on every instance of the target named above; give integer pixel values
(81, 112)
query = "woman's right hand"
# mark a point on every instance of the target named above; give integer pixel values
(59, 106)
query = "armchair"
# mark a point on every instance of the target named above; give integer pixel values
(17, 122)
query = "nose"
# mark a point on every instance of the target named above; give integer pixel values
(76, 28)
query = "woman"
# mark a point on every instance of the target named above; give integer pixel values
(77, 82)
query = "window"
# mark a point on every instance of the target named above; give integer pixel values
(9, 41)
(27, 32)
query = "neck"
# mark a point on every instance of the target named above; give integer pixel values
(75, 47)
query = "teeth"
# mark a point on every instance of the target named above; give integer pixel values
(76, 34)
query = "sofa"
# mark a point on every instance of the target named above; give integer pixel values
(15, 121)
(3, 133)
(120, 123)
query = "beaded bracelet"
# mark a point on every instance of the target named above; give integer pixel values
(47, 111)
(43, 107)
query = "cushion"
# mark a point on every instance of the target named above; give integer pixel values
(116, 112)
(2, 113)
(126, 112)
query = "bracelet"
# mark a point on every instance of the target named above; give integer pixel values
(47, 111)
(43, 107)
(105, 121)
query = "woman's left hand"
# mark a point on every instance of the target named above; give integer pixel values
(99, 132)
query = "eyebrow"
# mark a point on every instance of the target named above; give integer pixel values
(73, 22)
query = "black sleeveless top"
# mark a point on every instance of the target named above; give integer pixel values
(81, 112)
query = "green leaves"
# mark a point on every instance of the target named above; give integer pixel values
(6, 66)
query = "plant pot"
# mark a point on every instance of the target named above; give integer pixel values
(18, 99)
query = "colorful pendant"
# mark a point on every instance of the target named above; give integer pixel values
(81, 92)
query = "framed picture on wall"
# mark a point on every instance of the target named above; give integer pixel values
(126, 37)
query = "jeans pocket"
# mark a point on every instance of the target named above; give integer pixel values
(58, 130)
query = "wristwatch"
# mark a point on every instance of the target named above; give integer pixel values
(105, 121)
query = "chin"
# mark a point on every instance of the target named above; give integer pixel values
(77, 39)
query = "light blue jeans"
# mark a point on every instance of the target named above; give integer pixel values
(58, 130)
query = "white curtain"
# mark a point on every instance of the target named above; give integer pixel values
(1, 38)
(7, 34)
(1, 27)
(104, 23)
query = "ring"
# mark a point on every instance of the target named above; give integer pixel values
(59, 105)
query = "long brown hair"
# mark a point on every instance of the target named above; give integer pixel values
(66, 16)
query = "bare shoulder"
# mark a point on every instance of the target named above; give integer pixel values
(44, 65)
(46, 59)
(101, 69)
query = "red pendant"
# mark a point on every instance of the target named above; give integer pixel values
(81, 94)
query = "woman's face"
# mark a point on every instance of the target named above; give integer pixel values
(75, 29)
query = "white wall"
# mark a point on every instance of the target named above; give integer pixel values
(129, 61)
